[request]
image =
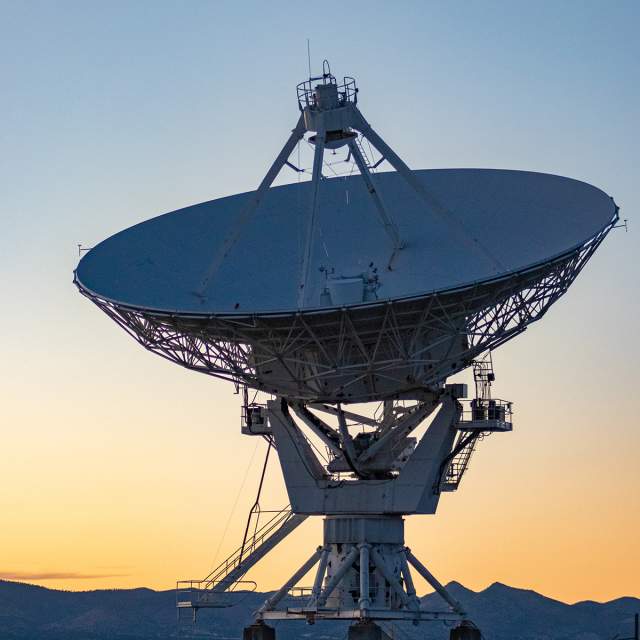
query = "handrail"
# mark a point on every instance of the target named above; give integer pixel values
(233, 560)
(189, 594)
(183, 586)
(347, 91)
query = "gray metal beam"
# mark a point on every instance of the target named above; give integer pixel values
(431, 579)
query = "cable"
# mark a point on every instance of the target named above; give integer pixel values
(235, 504)
(255, 508)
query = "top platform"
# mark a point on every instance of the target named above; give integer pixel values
(522, 219)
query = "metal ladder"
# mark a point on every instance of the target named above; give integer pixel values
(367, 161)
(458, 465)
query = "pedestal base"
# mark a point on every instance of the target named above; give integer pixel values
(362, 574)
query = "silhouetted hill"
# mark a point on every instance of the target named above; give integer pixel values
(29, 612)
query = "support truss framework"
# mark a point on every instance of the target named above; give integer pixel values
(359, 353)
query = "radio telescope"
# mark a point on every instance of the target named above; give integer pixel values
(370, 288)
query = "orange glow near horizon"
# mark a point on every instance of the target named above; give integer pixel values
(139, 488)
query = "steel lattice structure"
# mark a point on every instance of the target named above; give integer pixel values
(392, 349)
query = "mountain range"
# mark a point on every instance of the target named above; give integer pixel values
(29, 612)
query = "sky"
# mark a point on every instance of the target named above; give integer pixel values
(120, 469)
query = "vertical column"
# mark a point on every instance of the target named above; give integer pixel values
(364, 603)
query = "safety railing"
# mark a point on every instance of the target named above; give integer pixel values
(200, 593)
(230, 563)
(487, 415)
(204, 591)
(298, 596)
(347, 91)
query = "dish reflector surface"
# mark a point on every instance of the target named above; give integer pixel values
(522, 218)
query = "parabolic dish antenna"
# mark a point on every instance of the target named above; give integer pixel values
(523, 219)
(371, 287)
(508, 245)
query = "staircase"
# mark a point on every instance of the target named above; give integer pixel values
(458, 466)
(214, 590)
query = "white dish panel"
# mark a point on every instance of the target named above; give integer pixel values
(523, 218)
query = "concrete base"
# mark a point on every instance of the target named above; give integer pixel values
(259, 631)
(465, 631)
(367, 631)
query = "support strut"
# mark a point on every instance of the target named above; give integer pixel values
(389, 225)
(434, 206)
(253, 203)
(431, 579)
(313, 208)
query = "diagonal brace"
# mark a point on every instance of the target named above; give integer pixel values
(338, 575)
(389, 225)
(429, 199)
(253, 203)
(271, 602)
(432, 580)
(394, 581)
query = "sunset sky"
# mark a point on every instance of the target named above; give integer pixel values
(119, 469)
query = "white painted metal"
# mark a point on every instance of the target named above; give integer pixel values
(364, 566)
(392, 579)
(390, 227)
(349, 415)
(322, 567)
(272, 602)
(337, 576)
(330, 440)
(431, 579)
(313, 208)
(252, 204)
(226, 287)
(360, 544)
(310, 614)
(433, 204)
(398, 349)
(364, 601)
(260, 551)
(525, 218)
(210, 592)
(408, 580)
(413, 490)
